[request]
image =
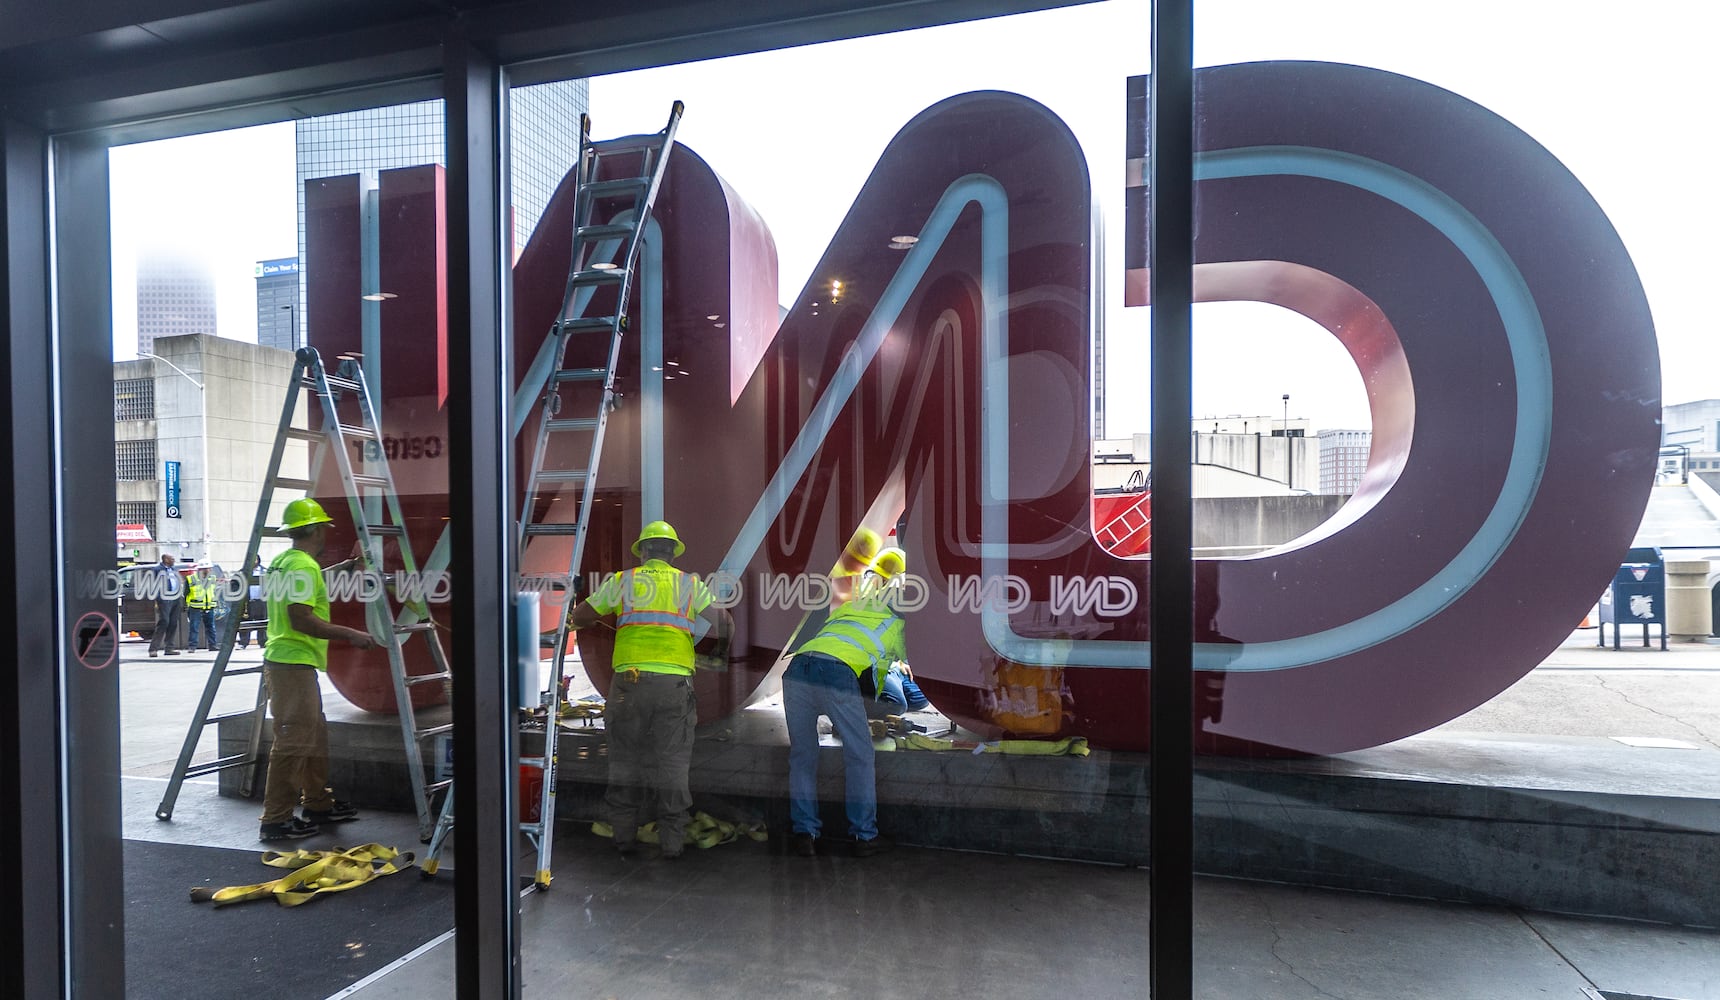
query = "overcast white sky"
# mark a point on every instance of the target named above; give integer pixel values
(796, 132)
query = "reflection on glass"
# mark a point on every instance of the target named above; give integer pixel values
(872, 353)
(275, 586)
(1423, 665)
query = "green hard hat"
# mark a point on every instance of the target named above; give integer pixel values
(303, 513)
(659, 529)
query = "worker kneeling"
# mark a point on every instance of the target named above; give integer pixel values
(832, 674)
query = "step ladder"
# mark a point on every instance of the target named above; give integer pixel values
(615, 189)
(375, 509)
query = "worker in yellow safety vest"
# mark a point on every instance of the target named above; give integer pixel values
(652, 708)
(296, 649)
(856, 558)
(200, 601)
(832, 674)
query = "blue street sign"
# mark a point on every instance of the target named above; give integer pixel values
(172, 489)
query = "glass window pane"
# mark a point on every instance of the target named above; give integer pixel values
(948, 226)
(280, 481)
(1438, 264)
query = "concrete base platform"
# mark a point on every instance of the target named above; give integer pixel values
(1574, 825)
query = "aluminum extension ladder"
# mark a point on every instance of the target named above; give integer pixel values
(616, 188)
(373, 522)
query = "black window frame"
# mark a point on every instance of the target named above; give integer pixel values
(111, 73)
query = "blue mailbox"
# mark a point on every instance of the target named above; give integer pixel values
(1637, 596)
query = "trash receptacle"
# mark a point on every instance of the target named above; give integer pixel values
(1637, 596)
(1689, 599)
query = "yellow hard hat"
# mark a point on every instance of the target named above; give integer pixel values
(302, 513)
(863, 546)
(659, 529)
(890, 563)
(859, 551)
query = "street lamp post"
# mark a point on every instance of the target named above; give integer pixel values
(202, 440)
(1288, 462)
(292, 325)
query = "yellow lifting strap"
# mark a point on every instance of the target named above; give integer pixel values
(704, 831)
(314, 872)
(1071, 746)
(584, 708)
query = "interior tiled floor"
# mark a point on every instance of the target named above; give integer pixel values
(739, 921)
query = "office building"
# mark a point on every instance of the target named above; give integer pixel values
(1343, 459)
(544, 142)
(1695, 425)
(193, 430)
(278, 303)
(175, 297)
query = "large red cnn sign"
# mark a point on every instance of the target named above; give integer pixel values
(939, 385)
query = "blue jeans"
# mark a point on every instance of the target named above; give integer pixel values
(817, 685)
(206, 618)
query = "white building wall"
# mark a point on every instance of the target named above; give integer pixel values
(1226, 465)
(244, 388)
(1696, 425)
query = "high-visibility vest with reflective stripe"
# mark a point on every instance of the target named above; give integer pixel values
(656, 605)
(865, 635)
(202, 595)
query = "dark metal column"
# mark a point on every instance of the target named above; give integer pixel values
(1171, 258)
(83, 488)
(486, 748)
(31, 903)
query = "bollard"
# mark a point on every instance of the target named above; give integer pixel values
(1689, 605)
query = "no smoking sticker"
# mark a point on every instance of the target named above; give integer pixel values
(94, 640)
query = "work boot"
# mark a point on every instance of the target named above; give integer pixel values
(867, 848)
(291, 828)
(340, 812)
(804, 845)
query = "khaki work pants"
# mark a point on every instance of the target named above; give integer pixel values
(298, 760)
(650, 720)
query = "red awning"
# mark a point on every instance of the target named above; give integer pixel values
(131, 534)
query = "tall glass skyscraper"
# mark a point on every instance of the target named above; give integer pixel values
(175, 297)
(544, 145)
(278, 302)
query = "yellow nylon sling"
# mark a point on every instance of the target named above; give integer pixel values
(314, 873)
(704, 831)
(1072, 746)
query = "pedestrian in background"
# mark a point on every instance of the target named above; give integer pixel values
(200, 605)
(255, 609)
(169, 591)
(233, 591)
